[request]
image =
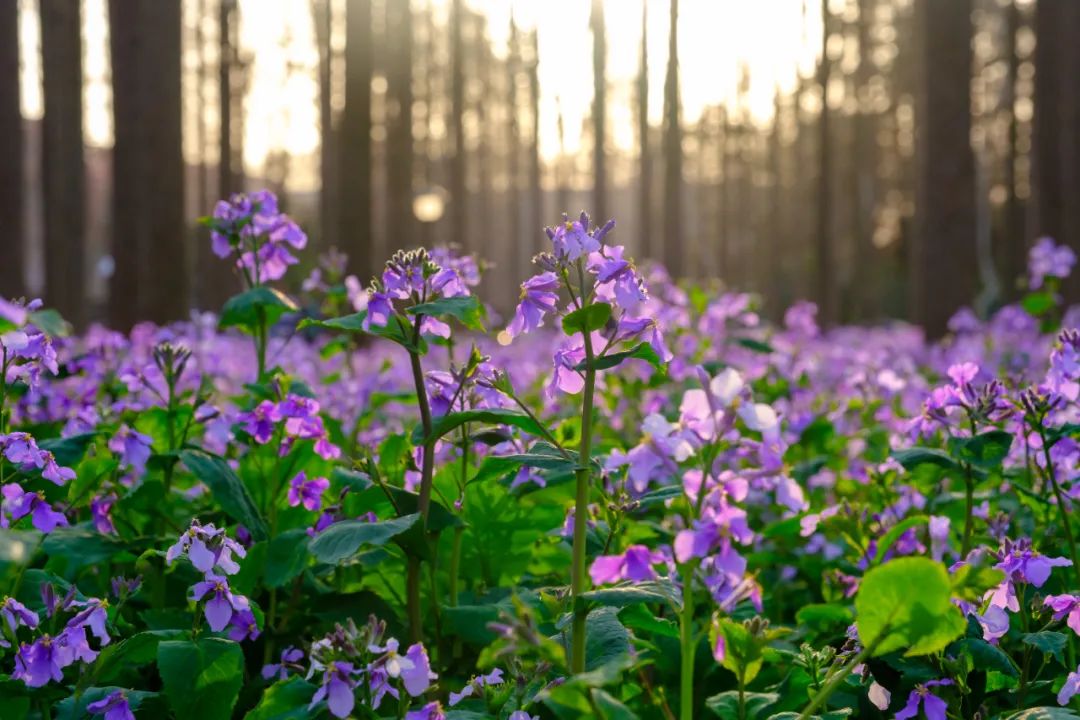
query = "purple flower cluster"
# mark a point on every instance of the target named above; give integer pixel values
(301, 419)
(209, 548)
(251, 228)
(414, 278)
(43, 660)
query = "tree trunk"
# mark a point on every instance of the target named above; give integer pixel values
(513, 195)
(674, 251)
(943, 262)
(12, 284)
(1047, 130)
(599, 112)
(536, 219)
(63, 168)
(400, 225)
(322, 18)
(354, 172)
(646, 244)
(824, 269)
(459, 207)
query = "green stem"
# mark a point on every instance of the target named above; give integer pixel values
(839, 676)
(686, 644)
(1052, 474)
(412, 599)
(260, 341)
(581, 512)
(423, 503)
(455, 565)
(969, 510)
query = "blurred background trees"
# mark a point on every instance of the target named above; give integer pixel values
(897, 163)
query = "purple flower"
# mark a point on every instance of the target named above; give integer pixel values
(16, 614)
(133, 447)
(495, 677)
(933, 707)
(307, 492)
(337, 689)
(243, 626)
(259, 422)
(417, 678)
(100, 507)
(1065, 606)
(222, 603)
(38, 664)
(539, 296)
(94, 616)
(1070, 688)
(939, 536)
(290, 656)
(1045, 259)
(206, 547)
(571, 238)
(634, 565)
(114, 706)
(522, 715)
(431, 711)
(18, 504)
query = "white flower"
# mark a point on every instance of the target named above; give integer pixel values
(759, 416)
(726, 386)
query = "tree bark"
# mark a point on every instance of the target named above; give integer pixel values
(63, 168)
(354, 173)
(459, 208)
(674, 250)
(824, 270)
(400, 230)
(943, 262)
(12, 283)
(646, 244)
(599, 112)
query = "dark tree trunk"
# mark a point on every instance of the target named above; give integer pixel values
(513, 194)
(459, 207)
(12, 284)
(400, 226)
(322, 17)
(1047, 130)
(354, 172)
(646, 244)
(824, 269)
(1070, 140)
(1013, 246)
(536, 219)
(63, 168)
(674, 251)
(943, 262)
(149, 237)
(599, 112)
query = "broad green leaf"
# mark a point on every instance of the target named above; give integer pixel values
(243, 310)
(50, 322)
(286, 557)
(228, 489)
(341, 540)
(660, 495)
(82, 546)
(606, 640)
(1048, 642)
(986, 656)
(641, 351)
(587, 319)
(905, 605)
(657, 591)
(889, 538)
(201, 679)
(541, 456)
(70, 450)
(912, 458)
(985, 450)
(1042, 713)
(467, 310)
(135, 651)
(757, 346)
(970, 582)
(824, 617)
(742, 650)
(726, 704)
(451, 421)
(74, 708)
(641, 619)
(284, 700)
(610, 708)
(397, 330)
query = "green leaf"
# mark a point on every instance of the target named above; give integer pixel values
(467, 310)
(227, 489)
(285, 700)
(824, 617)
(138, 650)
(641, 619)
(986, 656)
(657, 591)
(606, 640)
(541, 455)
(342, 540)
(1038, 303)
(742, 650)
(912, 458)
(905, 604)
(243, 310)
(70, 450)
(726, 704)
(82, 547)
(201, 679)
(970, 582)
(451, 421)
(286, 557)
(985, 450)
(587, 319)
(757, 346)
(610, 708)
(889, 538)
(660, 495)
(641, 351)
(397, 331)
(1048, 642)
(1042, 713)
(51, 322)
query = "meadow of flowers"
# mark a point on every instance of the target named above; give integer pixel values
(631, 499)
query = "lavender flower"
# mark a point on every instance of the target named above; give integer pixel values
(113, 706)
(634, 565)
(222, 603)
(933, 706)
(307, 492)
